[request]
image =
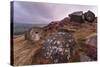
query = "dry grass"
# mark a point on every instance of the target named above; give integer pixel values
(25, 50)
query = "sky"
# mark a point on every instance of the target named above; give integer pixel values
(44, 13)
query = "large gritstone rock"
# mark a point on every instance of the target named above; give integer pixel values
(59, 47)
(76, 16)
(89, 16)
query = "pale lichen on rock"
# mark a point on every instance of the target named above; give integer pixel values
(59, 47)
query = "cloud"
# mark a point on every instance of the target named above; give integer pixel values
(35, 12)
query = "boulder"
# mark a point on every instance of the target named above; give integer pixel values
(89, 16)
(59, 47)
(76, 16)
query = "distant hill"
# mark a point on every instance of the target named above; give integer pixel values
(20, 28)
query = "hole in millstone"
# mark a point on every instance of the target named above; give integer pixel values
(36, 32)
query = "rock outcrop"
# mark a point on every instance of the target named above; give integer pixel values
(81, 17)
(59, 45)
(76, 16)
(89, 16)
(58, 48)
(75, 19)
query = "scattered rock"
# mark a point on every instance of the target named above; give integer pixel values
(55, 25)
(65, 21)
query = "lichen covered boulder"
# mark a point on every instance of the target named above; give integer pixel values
(59, 47)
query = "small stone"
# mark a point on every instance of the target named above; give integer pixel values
(66, 50)
(70, 40)
(58, 42)
(67, 45)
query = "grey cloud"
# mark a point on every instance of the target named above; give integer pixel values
(35, 12)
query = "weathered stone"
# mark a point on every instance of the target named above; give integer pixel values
(89, 16)
(34, 34)
(76, 16)
(59, 47)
